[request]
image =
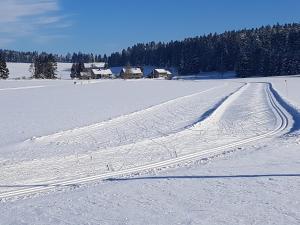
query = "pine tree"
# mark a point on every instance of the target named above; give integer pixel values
(4, 72)
(44, 66)
(76, 69)
(51, 67)
(73, 71)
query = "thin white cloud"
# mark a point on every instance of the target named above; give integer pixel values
(20, 18)
(49, 19)
(14, 10)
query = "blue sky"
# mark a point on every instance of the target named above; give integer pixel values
(103, 26)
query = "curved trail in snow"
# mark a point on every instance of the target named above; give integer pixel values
(22, 88)
(227, 127)
(160, 120)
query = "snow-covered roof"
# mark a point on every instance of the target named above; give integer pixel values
(95, 64)
(102, 72)
(163, 71)
(133, 70)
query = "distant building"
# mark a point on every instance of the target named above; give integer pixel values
(131, 73)
(101, 73)
(92, 71)
(156, 73)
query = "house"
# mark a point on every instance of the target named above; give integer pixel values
(101, 73)
(90, 70)
(156, 73)
(131, 73)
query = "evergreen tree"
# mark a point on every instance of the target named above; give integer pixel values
(76, 69)
(4, 72)
(44, 66)
(73, 71)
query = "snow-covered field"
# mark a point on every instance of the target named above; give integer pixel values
(37, 108)
(21, 70)
(150, 151)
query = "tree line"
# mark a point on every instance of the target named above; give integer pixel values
(28, 57)
(264, 51)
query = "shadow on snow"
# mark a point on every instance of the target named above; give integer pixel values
(205, 177)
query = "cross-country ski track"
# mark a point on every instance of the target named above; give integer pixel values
(214, 134)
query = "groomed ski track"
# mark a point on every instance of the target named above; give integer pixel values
(282, 123)
(156, 121)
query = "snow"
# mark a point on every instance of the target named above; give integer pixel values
(140, 147)
(288, 87)
(68, 106)
(21, 70)
(54, 131)
(256, 185)
(163, 71)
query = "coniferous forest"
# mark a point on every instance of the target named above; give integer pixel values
(265, 51)
(28, 57)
